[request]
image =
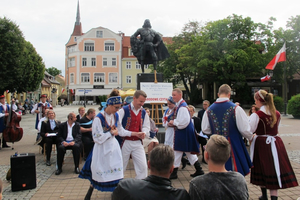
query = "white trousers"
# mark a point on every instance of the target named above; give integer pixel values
(137, 152)
(178, 155)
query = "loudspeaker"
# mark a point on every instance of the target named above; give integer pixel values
(148, 77)
(23, 172)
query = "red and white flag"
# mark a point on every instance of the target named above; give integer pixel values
(71, 91)
(7, 91)
(265, 78)
(62, 90)
(280, 57)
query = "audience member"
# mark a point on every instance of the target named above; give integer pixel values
(49, 130)
(218, 184)
(205, 105)
(86, 130)
(184, 138)
(271, 165)
(197, 125)
(253, 109)
(150, 141)
(157, 185)
(223, 116)
(81, 112)
(68, 137)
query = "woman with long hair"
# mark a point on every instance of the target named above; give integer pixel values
(267, 149)
(104, 165)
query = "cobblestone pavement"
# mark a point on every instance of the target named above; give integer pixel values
(69, 186)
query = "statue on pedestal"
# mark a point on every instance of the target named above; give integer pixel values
(147, 46)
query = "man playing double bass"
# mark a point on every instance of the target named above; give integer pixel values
(4, 111)
(40, 108)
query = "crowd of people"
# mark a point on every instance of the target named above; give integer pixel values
(109, 139)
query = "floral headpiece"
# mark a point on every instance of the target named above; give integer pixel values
(171, 100)
(114, 100)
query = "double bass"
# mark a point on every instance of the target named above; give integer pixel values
(13, 132)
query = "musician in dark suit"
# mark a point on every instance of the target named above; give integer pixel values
(48, 129)
(68, 137)
(197, 124)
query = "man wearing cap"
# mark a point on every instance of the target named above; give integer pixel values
(4, 111)
(40, 108)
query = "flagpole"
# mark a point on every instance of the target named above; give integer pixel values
(285, 90)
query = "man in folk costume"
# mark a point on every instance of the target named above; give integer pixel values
(4, 111)
(134, 118)
(226, 118)
(40, 108)
(184, 137)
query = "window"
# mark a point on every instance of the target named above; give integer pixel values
(113, 62)
(128, 79)
(104, 61)
(93, 61)
(84, 62)
(99, 77)
(146, 66)
(109, 46)
(137, 65)
(71, 78)
(88, 46)
(71, 49)
(128, 65)
(85, 78)
(99, 34)
(72, 62)
(130, 53)
(113, 77)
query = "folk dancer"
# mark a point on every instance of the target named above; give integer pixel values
(184, 137)
(222, 116)
(4, 112)
(135, 119)
(271, 165)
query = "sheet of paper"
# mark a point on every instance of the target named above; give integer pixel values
(51, 134)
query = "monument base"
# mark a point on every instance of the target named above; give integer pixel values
(147, 77)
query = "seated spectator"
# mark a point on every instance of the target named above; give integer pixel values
(68, 137)
(81, 113)
(157, 185)
(218, 183)
(86, 123)
(39, 138)
(49, 130)
(150, 141)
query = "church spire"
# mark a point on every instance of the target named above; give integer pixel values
(78, 15)
(77, 27)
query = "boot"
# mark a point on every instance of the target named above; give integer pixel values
(174, 174)
(264, 194)
(184, 161)
(198, 168)
(274, 198)
(89, 193)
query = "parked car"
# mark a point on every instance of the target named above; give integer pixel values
(127, 100)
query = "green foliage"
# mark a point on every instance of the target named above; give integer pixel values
(53, 71)
(102, 98)
(278, 102)
(22, 69)
(294, 106)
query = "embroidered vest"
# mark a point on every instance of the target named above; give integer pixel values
(264, 124)
(105, 126)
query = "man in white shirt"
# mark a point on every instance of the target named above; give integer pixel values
(4, 111)
(134, 118)
(223, 116)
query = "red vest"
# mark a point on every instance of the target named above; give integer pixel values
(264, 124)
(135, 125)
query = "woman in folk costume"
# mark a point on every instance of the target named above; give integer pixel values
(169, 115)
(271, 166)
(104, 165)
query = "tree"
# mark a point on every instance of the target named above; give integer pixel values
(53, 71)
(22, 68)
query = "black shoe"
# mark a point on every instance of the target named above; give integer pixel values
(174, 174)
(198, 168)
(5, 146)
(58, 172)
(203, 161)
(89, 193)
(48, 163)
(184, 161)
(77, 170)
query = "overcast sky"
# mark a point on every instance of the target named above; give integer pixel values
(49, 24)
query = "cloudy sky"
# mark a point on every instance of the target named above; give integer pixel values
(49, 24)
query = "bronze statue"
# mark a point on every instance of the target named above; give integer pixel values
(147, 46)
